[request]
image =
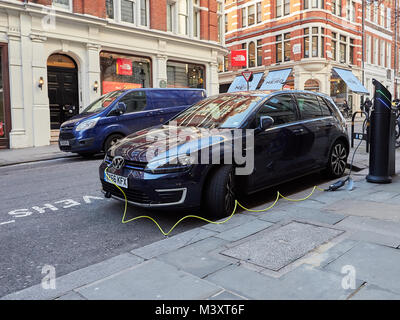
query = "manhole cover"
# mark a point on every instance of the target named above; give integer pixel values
(275, 249)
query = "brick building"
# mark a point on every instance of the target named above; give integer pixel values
(57, 56)
(312, 38)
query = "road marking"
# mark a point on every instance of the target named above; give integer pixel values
(8, 222)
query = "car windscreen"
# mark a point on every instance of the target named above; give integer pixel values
(103, 102)
(225, 111)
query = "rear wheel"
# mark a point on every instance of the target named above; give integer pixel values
(220, 195)
(337, 160)
(111, 140)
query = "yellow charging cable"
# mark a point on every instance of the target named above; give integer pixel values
(279, 195)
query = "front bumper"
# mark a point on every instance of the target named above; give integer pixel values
(179, 190)
(76, 142)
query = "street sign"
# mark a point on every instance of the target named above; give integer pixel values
(247, 75)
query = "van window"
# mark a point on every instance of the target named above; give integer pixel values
(309, 106)
(281, 108)
(135, 101)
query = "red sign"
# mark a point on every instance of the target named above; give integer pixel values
(109, 86)
(239, 58)
(124, 67)
(247, 75)
(1, 129)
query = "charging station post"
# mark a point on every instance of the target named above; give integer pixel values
(382, 154)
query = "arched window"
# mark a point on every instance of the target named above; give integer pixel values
(61, 61)
(252, 54)
(311, 85)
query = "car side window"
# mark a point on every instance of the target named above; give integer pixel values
(326, 111)
(309, 106)
(135, 101)
(281, 108)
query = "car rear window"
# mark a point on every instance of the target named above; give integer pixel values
(308, 105)
(326, 111)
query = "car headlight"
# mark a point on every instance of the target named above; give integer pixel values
(171, 164)
(88, 124)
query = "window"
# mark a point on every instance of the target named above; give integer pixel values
(110, 9)
(281, 108)
(368, 49)
(63, 4)
(171, 13)
(389, 56)
(375, 12)
(226, 23)
(343, 50)
(389, 19)
(311, 85)
(124, 72)
(220, 22)
(309, 106)
(259, 12)
(252, 55)
(286, 43)
(315, 42)
(282, 7)
(135, 101)
(334, 5)
(306, 43)
(282, 48)
(375, 51)
(183, 17)
(251, 15)
(185, 75)
(196, 22)
(334, 46)
(348, 10)
(352, 50)
(278, 49)
(244, 17)
(382, 12)
(382, 53)
(353, 12)
(143, 12)
(259, 53)
(128, 11)
(326, 111)
(368, 11)
(322, 42)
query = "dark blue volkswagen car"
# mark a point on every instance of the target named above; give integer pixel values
(294, 133)
(120, 113)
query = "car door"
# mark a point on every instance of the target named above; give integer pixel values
(279, 149)
(312, 124)
(138, 115)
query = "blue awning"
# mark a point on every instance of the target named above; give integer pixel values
(351, 80)
(240, 84)
(275, 79)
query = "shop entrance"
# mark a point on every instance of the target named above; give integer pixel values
(62, 74)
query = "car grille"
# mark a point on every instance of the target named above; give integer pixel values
(66, 135)
(136, 165)
(131, 194)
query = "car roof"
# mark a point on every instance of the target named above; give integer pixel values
(263, 93)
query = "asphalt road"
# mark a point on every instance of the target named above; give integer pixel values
(53, 213)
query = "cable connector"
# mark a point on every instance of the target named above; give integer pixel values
(337, 185)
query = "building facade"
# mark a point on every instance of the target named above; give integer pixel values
(58, 56)
(312, 38)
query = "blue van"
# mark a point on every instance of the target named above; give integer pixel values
(120, 113)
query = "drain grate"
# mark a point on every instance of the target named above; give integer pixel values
(275, 249)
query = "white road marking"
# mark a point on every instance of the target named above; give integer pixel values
(7, 222)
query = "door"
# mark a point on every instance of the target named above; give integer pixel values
(137, 115)
(5, 112)
(63, 95)
(280, 149)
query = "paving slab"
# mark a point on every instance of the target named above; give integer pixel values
(371, 209)
(196, 258)
(300, 213)
(71, 296)
(173, 243)
(371, 292)
(151, 280)
(305, 282)
(373, 230)
(236, 220)
(244, 230)
(376, 264)
(226, 295)
(67, 283)
(275, 249)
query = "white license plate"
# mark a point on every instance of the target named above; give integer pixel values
(64, 143)
(118, 180)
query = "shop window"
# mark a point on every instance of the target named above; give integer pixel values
(311, 85)
(124, 72)
(185, 75)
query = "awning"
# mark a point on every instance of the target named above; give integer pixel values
(275, 79)
(240, 84)
(351, 80)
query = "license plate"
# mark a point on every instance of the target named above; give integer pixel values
(115, 179)
(64, 143)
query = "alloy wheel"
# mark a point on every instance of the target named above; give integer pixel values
(338, 160)
(230, 193)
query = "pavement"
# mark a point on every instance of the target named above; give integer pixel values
(333, 246)
(17, 156)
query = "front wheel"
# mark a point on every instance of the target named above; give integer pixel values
(111, 140)
(220, 196)
(337, 160)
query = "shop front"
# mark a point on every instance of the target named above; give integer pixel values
(5, 114)
(185, 75)
(122, 71)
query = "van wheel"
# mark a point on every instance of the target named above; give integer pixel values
(220, 195)
(111, 140)
(337, 160)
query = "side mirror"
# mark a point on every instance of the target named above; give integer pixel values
(266, 122)
(119, 109)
